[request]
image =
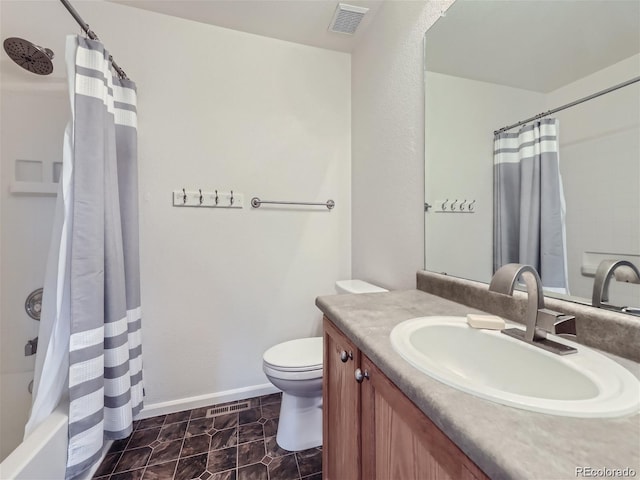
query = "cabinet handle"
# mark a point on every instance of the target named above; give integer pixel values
(360, 376)
(344, 356)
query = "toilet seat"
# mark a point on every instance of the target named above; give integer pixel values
(311, 374)
(295, 355)
(299, 359)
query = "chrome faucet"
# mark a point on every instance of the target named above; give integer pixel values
(606, 270)
(538, 320)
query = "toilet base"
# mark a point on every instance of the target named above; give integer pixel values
(300, 424)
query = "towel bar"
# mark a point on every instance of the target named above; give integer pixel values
(256, 202)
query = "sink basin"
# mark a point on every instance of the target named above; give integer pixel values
(496, 367)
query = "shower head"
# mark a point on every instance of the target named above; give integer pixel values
(31, 57)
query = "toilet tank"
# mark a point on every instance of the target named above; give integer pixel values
(357, 286)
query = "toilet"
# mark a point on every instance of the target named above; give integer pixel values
(295, 367)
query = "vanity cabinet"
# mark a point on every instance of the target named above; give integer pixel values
(340, 407)
(372, 431)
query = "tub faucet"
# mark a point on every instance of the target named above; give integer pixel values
(622, 270)
(31, 347)
(538, 320)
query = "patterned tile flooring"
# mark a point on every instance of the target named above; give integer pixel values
(188, 445)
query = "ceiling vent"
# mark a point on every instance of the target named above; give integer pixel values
(347, 18)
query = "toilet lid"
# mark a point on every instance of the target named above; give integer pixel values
(300, 354)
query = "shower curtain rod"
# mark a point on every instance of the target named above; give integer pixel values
(91, 34)
(568, 105)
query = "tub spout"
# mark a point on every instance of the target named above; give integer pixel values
(31, 347)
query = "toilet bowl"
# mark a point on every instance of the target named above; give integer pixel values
(295, 367)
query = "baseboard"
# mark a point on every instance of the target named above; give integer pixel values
(188, 403)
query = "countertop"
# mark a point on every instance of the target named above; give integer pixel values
(504, 442)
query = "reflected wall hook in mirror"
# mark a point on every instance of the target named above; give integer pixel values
(443, 206)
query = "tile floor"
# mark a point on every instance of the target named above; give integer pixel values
(188, 445)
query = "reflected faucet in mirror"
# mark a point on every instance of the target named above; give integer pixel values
(538, 320)
(622, 271)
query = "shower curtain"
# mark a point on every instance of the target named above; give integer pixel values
(529, 208)
(90, 336)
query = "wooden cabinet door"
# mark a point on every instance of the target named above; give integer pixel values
(340, 407)
(400, 442)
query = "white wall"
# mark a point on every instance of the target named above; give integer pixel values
(461, 116)
(221, 109)
(388, 138)
(600, 166)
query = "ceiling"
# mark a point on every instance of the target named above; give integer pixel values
(561, 41)
(300, 21)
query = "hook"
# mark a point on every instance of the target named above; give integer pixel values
(231, 198)
(453, 205)
(444, 205)
(216, 197)
(462, 205)
(201, 198)
(184, 196)
(470, 207)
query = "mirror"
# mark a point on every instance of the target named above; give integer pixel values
(490, 64)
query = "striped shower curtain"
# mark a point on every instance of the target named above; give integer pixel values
(105, 350)
(529, 208)
(92, 290)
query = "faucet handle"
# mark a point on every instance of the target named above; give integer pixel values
(555, 322)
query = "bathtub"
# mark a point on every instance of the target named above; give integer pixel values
(43, 454)
(15, 400)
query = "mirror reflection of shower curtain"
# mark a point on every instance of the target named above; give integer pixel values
(529, 206)
(90, 333)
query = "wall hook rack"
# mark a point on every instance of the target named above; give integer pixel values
(202, 198)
